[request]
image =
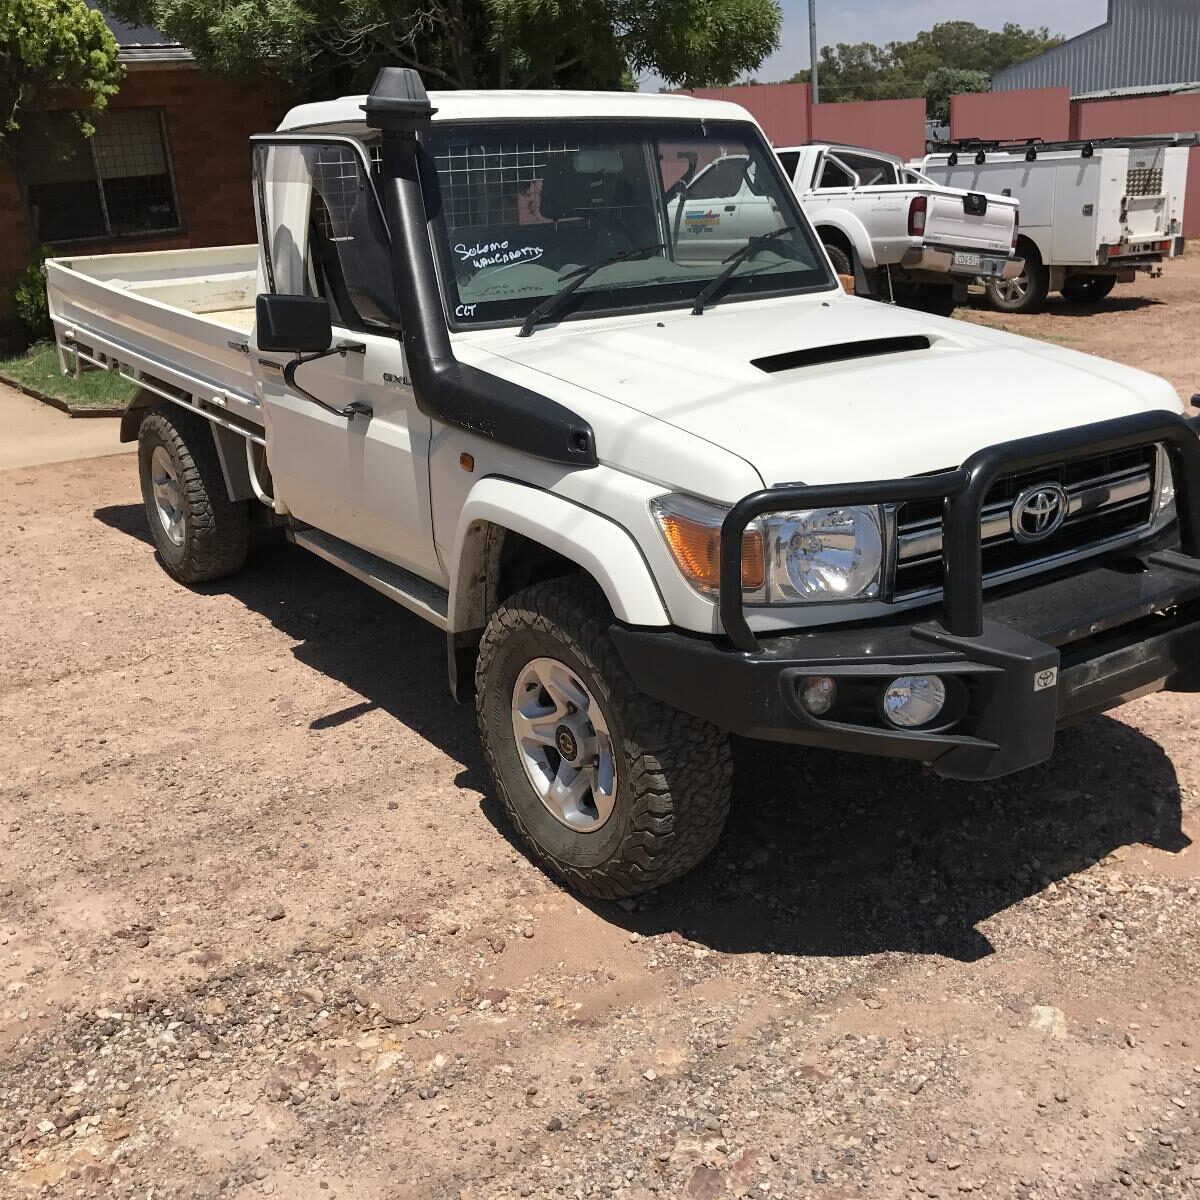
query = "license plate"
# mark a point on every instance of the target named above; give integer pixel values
(967, 260)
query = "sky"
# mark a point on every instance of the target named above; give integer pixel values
(883, 21)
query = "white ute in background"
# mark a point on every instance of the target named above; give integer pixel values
(903, 237)
(1093, 214)
(656, 478)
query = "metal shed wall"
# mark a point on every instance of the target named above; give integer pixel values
(1142, 42)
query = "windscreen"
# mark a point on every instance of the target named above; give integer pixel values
(526, 206)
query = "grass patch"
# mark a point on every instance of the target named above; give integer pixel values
(38, 369)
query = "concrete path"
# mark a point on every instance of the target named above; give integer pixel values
(33, 433)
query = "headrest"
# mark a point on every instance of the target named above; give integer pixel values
(579, 181)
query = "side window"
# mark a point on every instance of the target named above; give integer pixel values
(834, 175)
(790, 160)
(871, 171)
(720, 181)
(321, 230)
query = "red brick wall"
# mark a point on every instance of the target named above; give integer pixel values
(208, 121)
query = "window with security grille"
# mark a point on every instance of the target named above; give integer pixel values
(116, 183)
(495, 179)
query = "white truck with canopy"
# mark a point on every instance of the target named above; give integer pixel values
(1093, 213)
(652, 494)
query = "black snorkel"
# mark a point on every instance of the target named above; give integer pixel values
(446, 389)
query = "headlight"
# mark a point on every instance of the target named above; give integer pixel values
(823, 554)
(1165, 505)
(818, 554)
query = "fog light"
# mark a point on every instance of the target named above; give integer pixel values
(817, 694)
(914, 700)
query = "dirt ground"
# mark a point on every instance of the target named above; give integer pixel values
(263, 930)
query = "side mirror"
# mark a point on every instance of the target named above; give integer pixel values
(299, 324)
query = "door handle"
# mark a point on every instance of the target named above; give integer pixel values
(731, 208)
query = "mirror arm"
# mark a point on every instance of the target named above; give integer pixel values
(357, 409)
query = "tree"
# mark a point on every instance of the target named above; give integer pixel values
(53, 47)
(865, 71)
(944, 82)
(323, 46)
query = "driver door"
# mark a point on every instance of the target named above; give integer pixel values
(363, 479)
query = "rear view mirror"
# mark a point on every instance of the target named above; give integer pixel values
(299, 324)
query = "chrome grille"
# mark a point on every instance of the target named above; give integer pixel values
(1144, 181)
(1109, 496)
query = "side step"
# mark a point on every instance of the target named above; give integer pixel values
(416, 594)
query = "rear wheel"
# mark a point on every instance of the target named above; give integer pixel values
(1087, 289)
(1023, 293)
(200, 533)
(840, 260)
(612, 791)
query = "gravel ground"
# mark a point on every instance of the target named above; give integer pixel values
(264, 932)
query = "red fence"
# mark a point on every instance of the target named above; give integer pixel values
(786, 114)
(782, 109)
(1032, 112)
(897, 126)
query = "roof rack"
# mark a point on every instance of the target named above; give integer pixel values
(1034, 146)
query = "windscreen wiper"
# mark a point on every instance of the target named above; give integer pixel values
(577, 278)
(749, 250)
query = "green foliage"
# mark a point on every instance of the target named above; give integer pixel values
(865, 71)
(326, 46)
(29, 300)
(944, 82)
(49, 46)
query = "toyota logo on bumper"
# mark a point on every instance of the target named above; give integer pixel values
(1038, 512)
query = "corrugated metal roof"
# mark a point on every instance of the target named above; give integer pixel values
(141, 42)
(1143, 42)
(1150, 89)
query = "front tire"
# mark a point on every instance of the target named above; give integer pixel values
(200, 533)
(612, 791)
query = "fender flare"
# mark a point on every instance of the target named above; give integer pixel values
(597, 545)
(850, 227)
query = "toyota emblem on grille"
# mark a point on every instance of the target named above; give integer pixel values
(1038, 512)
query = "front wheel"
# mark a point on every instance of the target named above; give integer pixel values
(612, 791)
(1087, 289)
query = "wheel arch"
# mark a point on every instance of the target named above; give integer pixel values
(510, 534)
(231, 445)
(849, 234)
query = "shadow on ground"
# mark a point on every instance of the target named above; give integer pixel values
(1059, 306)
(823, 854)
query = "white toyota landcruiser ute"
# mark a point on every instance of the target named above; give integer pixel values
(655, 493)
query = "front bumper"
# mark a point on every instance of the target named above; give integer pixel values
(1047, 655)
(940, 261)
(1019, 663)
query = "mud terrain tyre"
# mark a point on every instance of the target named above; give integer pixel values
(200, 533)
(612, 791)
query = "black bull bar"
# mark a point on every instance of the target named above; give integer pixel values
(963, 491)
